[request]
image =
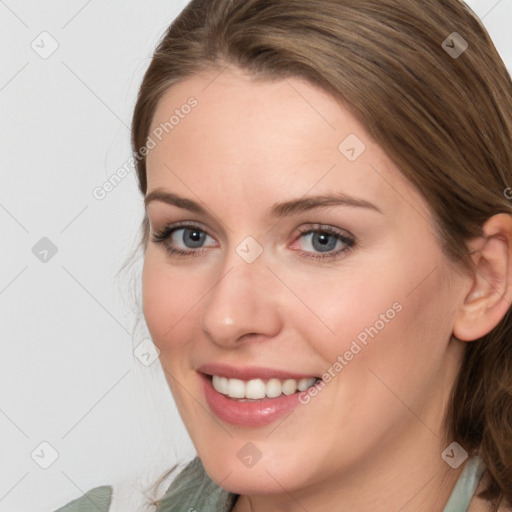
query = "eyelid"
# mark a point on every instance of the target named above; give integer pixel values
(174, 226)
(161, 216)
(162, 236)
(342, 234)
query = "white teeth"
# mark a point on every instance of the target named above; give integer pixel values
(236, 388)
(274, 388)
(220, 384)
(224, 384)
(256, 389)
(303, 384)
(289, 386)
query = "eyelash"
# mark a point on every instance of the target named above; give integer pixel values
(348, 241)
(160, 237)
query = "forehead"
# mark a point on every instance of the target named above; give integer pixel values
(234, 106)
(267, 139)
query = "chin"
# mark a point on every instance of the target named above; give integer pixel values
(260, 479)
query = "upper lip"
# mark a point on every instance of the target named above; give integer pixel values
(249, 372)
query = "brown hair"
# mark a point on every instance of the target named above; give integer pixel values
(445, 121)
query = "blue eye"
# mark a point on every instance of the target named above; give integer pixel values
(324, 242)
(319, 242)
(192, 238)
(182, 240)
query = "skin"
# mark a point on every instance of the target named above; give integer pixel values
(372, 438)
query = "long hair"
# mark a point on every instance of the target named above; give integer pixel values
(443, 116)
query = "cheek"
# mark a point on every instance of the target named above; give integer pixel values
(168, 297)
(402, 331)
(386, 315)
(351, 305)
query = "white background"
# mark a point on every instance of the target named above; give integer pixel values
(68, 373)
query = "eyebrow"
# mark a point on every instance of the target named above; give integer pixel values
(291, 207)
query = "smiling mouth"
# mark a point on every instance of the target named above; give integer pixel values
(260, 389)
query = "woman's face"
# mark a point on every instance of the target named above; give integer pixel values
(307, 256)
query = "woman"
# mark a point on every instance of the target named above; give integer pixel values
(328, 255)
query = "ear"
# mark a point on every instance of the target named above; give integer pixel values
(490, 295)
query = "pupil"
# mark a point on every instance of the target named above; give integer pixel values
(324, 242)
(193, 238)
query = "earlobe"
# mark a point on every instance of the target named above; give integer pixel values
(490, 295)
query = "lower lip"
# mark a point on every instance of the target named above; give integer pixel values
(248, 414)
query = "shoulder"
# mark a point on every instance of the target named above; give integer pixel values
(192, 489)
(95, 500)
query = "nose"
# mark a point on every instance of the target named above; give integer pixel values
(242, 304)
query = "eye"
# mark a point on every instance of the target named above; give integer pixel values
(318, 242)
(183, 239)
(322, 242)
